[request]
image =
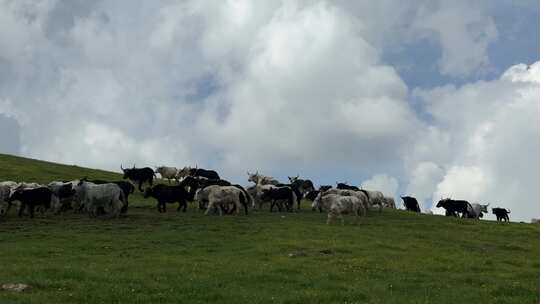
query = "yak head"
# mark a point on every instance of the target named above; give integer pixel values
(443, 202)
(15, 195)
(182, 173)
(484, 208)
(294, 178)
(127, 171)
(253, 177)
(323, 188)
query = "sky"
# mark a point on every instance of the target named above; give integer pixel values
(425, 98)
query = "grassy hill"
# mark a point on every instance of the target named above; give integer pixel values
(30, 170)
(147, 257)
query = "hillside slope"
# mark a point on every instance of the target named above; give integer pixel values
(147, 257)
(30, 170)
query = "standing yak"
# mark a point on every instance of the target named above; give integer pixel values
(454, 207)
(197, 173)
(345, 186)
(501, 214)
(411, 204)
(139, 175)
(127, 189)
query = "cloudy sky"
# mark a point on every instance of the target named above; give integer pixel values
(421, 97)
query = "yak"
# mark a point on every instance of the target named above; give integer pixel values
(277, 195)
(501, 214)
(169, 194)
(139, 175)
(411, 204)
(41, 196)
(344, 186)
(454, 207)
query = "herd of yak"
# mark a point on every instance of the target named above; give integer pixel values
(213, 194)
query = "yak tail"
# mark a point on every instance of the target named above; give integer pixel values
(249, 199)
(242, 198)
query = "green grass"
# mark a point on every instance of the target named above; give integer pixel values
(147, 257)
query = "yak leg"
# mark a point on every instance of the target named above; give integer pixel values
(246, 208)
(210, 206)
(21, 209)
(181, 204)
(329, 220)
(140, 185)
(31, 210)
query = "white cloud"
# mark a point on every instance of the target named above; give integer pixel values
(423, 179)
(464, 31)
(237, 85)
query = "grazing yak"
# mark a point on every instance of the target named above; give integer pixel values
(361, 195)
(323, 188)
(201, 196)
(358, 194)
(375, 198)
(477, 211)
(139, 175)
(227, 198)
(411, 204)
(169, 194)
(41, 196)
(345, 186)
(312, 195)
(259, 179)
(5, 192)
(65, 192)
(454, 207)
(501, 214)
(194, 184)
(126, 187)
(389, 202)
(107, 197)
(167, 173)
(339, 205)
(197, 172)
(256, 192)
(303, 185)
(296, 190)
(278, 195)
